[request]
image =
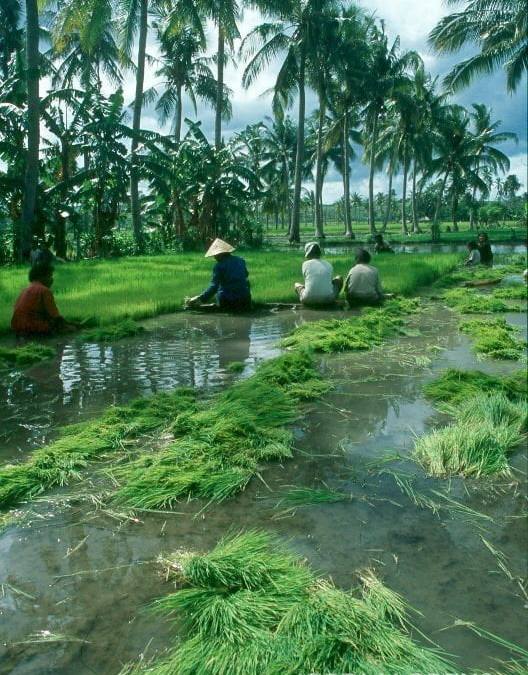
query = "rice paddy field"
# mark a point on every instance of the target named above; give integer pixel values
(291, 491)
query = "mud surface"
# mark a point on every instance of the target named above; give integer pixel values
(75, 578)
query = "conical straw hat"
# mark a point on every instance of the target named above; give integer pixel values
(219, 246)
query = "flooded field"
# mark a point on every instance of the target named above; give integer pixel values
(76, 577)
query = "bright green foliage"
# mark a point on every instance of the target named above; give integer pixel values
(487, 427)
(27, 355)
(470, 301)
(113, 332)
(494, 338)
(236, 366)
(469, 274)
(219, 446)
(456, 386)
(253, 608)
(303, 496)
(362, 332)
(517, 292)
(61, 461)
(141, 287)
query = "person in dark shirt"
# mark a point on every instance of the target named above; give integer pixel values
(381, 246)
(486, 254)
(230, 281)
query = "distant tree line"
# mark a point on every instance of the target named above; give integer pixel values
(75, 164)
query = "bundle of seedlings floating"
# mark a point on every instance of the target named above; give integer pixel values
(470, 301)
(370, 329)
(495, 338)
(456, 386)
(113, 332)
(298, 497)
(479, 276)
(61, 461)
(25, 355)
(220, 446)
(251, 607)
(487, 428)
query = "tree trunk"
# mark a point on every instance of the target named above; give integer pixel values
(296, 210)
(371, 216)
(219, 86)
(454, 211)
(60, 222)
(389, 197)
(404, 192)
(435, 229)
(178, 118)
(136, 125)
(416, 225)
(319, 225)
(346, 182)
(29, 204)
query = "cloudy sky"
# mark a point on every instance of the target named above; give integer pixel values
(412, 20)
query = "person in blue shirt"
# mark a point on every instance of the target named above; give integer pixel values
(230, 281)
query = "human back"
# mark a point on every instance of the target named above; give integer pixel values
(318, 287)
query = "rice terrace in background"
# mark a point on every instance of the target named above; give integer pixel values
(263, 337)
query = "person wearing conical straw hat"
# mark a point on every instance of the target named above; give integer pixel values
(320, 286)
(230, 281)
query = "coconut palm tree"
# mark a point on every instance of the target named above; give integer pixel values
(486, 137)
(294, 29)
(500, 30)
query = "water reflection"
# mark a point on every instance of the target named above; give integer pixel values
(84, 379)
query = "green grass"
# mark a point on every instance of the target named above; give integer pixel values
(471, 301)
(113, 332)
(456, 386)
(487, 427)
(220, 446)
(517, 292)
(370, 329)
(236, 366)
(495, 338)
(26, 355)
(251, 607)
(61, 461)
(137, 288)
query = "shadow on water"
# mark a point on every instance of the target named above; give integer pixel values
(87, 574)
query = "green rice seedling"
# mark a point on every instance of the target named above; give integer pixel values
(61, 461)
(470, 301)
(251, 607)
(494, 338)
(370, 329)
(476, 449)
(236, 366)
(26, 355)
(298, 497)
(219, 446)
(493, 408)
(113, 332)
(517, 292)
(456, 386)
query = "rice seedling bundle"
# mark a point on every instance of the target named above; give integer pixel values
(219, 447)
(362, 332)
(61, 461)
(456, 386)
(495, 338)
(250, 607)
(26, 355)
(516, 292)
(470, 301)
(113, 332)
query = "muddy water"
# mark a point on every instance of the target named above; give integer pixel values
(86, 574)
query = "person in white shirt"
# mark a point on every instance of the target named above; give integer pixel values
(474, 254)
(320, 286)
(362, 284)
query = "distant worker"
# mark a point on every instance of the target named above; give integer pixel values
(41, 253)
(381, 246)
(474, 254)
(230, 281)
(486, 254)
(35, 310)
(362, 284)
(320, 286)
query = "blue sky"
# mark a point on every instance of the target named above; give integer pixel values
(412, 20)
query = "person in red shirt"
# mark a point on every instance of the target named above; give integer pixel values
(35, 310)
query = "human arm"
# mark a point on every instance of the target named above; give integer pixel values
(213, 286)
